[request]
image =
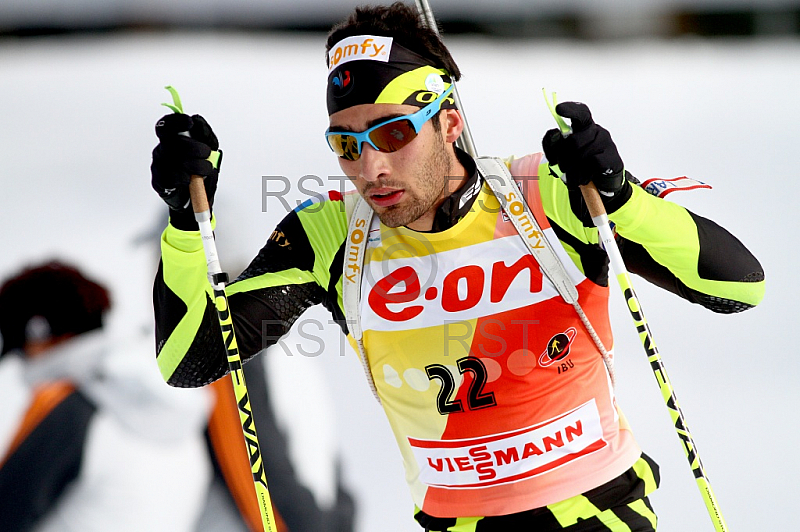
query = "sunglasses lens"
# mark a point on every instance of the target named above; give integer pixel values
(344, 145)
(393, 136)
(387, 138)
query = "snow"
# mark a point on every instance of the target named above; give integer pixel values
(76, 128)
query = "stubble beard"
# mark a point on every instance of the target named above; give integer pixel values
(432, 178)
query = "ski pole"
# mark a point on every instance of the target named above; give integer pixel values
(218, 278)
(600, 219)
(558, 275)
(464, 141)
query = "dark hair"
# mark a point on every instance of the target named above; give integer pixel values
(60, 294)
(404, 25)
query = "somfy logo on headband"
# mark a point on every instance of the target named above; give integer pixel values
(359, 47)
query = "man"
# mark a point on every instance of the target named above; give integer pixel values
(498, 397)
(98, 443)
(176, 464)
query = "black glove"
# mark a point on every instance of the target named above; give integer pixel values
(177, 158)
(588, 154)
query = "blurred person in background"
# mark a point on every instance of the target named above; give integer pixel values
(288, 403)
(90, 441)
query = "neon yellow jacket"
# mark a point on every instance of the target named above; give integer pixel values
(301, 265)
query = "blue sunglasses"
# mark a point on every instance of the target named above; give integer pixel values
(388, 136)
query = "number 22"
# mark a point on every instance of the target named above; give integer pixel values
(476, 398)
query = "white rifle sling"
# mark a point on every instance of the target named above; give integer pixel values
(360, 219)
(496, 174)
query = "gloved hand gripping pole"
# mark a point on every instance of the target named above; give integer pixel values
(218, 279)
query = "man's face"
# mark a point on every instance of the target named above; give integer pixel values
(404, 187)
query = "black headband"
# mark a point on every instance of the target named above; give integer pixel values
(373, 69)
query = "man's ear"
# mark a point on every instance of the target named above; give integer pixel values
(452, 124)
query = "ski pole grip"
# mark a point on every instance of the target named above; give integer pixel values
(593, 201)
(197, 191)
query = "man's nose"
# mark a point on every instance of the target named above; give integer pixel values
(373, 163)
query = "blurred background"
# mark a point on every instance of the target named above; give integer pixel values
(703, 88)
(513, 18)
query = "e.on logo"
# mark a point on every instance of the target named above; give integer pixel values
(398, 296)
(357, 47)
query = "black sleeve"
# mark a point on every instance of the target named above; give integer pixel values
(35, 475)
(262, 313)
(722, 257)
